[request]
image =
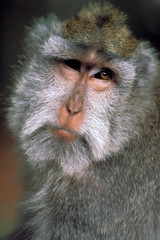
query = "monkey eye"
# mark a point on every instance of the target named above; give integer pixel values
(104, 74)
(73, 63)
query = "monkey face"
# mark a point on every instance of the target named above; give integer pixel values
(74, 107)
(78, 95)
(83, 78)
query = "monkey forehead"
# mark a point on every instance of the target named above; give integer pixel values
(95, 58)
(103, 25)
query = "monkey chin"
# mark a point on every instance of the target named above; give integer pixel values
(64, 135)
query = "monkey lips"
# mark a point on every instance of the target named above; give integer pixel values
(64, 134)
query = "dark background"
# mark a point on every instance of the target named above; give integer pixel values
(144, 19)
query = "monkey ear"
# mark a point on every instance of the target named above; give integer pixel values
(146, 60)
(41, 29)
(144, 51)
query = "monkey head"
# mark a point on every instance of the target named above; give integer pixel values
(84, 90)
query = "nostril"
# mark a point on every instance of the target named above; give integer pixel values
(69, 109)
(72, 108)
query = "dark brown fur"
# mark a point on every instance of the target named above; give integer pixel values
(112, 32)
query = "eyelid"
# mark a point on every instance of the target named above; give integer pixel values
(94, 71)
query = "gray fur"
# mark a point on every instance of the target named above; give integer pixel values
(106, 184)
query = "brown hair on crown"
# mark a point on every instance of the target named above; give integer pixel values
(101, 24)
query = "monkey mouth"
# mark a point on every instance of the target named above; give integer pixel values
(64, 134)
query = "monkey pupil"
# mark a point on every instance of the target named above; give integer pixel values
(73, 63)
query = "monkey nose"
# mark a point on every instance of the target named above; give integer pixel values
(74, 107)
(75, 103)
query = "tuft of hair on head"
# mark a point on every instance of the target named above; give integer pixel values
(102, 24)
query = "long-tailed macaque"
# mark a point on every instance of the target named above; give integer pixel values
(84, 109)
